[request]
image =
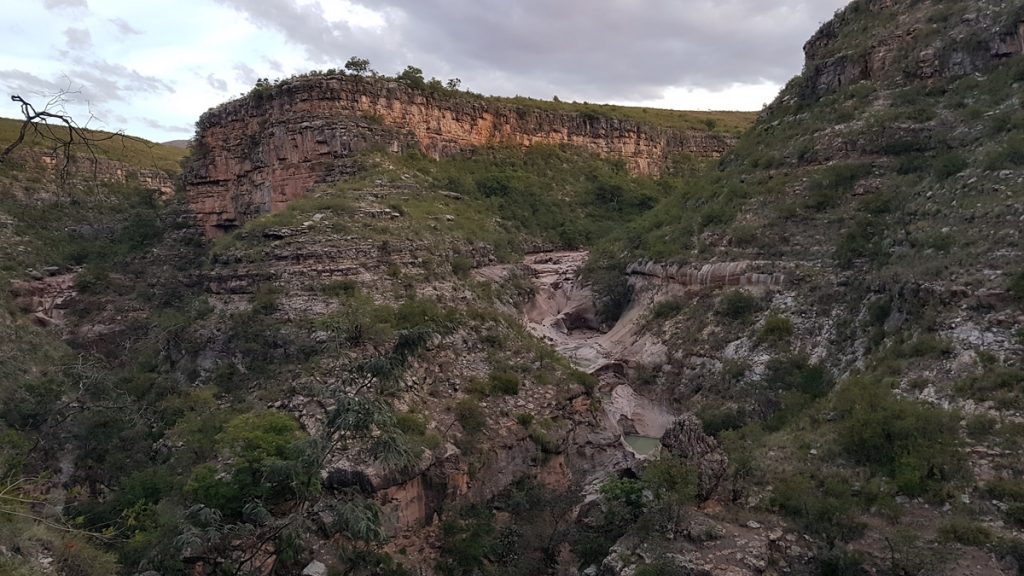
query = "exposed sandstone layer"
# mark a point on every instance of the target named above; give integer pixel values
(254, 155)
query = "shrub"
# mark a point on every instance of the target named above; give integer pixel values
(524, 420)
(1003, 384)
(861, 240)
(666, 309)
(914, 444)
(670, 481)
(264, 301)
(589, 382)
(503, 383)
(795, 372)
(736, 305)
(1009, 156)
(1016, 286)
(841, 562)
(949, 164)
(879, 310)
(624, 501)
(470, 416)
(824, 506)
(965, 532)
(828, 185)
(411, 424)
(461, 267)
(341, 289)
(776, 330)
(722, 420)
(267, 463)
(544, 442)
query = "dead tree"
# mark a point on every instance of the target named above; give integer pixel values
(58, 131)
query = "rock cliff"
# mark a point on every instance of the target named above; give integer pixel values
(906, 44)
(254, 155)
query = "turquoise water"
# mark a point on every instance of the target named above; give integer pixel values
(643, 445)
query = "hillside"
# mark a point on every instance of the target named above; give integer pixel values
(389, 329)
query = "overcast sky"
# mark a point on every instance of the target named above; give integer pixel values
(151, 67)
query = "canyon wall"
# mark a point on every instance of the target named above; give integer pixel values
(254, 155)
(839, 55)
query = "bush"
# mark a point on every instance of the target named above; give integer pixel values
(795, 372)
(666, 309)
(589, 382)
(949, 165)
(1016, 286)
(861, 240)
(1002, 384)
(841, 562)
(411, 424)
(1009, 157)
(825, 507)
(965, 532)
(624, 501)
(503, 383)
(470, 416)
(776, 330)
(267, 463)
(914, 444)
(828, 186)
(736, 305)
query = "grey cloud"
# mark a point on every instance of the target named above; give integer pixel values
(596, 49)
(216, 83)
(245, 74)
(25, 83)
(174, 128)
(94, 81)
(124, 28)
(65, 4)
(77, 38)
(274, 65)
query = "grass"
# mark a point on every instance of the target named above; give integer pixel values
(132, 151)
(727, 122)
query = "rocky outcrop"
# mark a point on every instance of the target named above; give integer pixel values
(908, 46)
(47, 297)
(687, 440)
(719, 274)
(83, 171)
(254, 155)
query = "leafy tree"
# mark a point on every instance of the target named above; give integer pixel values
(453, 84)
(412, 77)
(358, 66)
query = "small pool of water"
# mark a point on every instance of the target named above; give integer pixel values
(643, 445)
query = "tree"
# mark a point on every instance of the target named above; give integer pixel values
(454, 84)
(412, 77)
(56, 129)
(357, 65)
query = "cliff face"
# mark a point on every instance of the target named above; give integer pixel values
(256, 154)
(908, 42)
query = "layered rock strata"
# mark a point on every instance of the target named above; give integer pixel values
(254, 155)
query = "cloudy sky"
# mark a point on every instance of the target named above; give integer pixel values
(151, 67)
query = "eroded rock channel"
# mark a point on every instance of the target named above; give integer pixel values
(563, 314)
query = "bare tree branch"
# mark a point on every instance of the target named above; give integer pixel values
(59, 131)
